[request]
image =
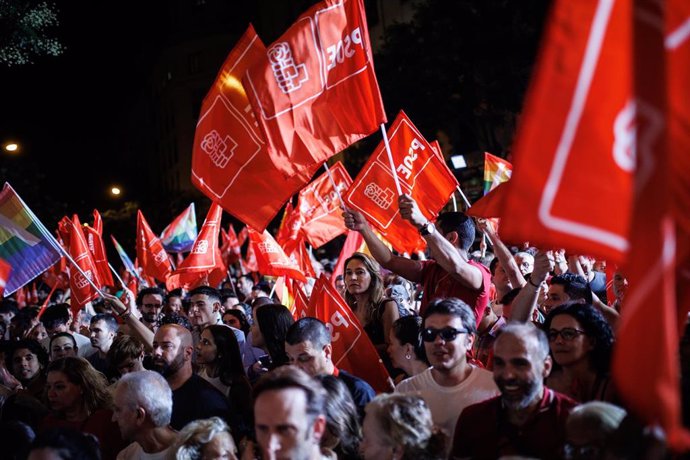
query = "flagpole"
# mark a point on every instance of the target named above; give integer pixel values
(117, 275)
(455, 203)
(273, 289)
(464, 198)
(335, 187)
(390, 159)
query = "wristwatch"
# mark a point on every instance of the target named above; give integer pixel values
(427, 229)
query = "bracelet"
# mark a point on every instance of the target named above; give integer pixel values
(535, 285)
(125, 315)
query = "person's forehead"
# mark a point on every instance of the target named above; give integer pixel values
(280, 406)
(23, 352)
(556, 289)
(305, 347)
(509, 346)
(201, 298)
(148, 298)
(440, 320)
(166, 334)
(60, 341)
(100, 324)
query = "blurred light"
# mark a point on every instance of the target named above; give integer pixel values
(458, 161)
(11, 147)
(115, 191)
(233, 82)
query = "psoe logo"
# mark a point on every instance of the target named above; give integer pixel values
(200, 247)
(216, 147)
(160, 257)
(82, 281)
(382, 198)
(288, 75)
(268, 248)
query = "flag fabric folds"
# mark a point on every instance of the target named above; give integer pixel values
(81, 279)
(179, 236)
(24, 242)
(271, 259)
(491, 204)
(314, 91)
(496, 171)
(5, 270)
(230, 162)
(204, 264)
(320, 207)
(352, 348)
(94, 239)
(290, 229)
(151, 255)
(422, 174)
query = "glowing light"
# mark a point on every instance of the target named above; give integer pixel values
(233, 82)
(115, 191)
(12, 147)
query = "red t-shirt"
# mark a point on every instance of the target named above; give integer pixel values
(438, 283)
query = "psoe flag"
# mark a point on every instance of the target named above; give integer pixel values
(25, 244)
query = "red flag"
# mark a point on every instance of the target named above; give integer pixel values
(271, 259)
(320, 207)
(204, 264)
(422, 175)
(81, 290)
(5, 270)
(242, 236)
(491, 204)
(230, 248)
(151, 255)
(352, 348)
(251, 264)
(95, 242)
(301, 308)
(314, 91)
(300, 256)
(290, 228)
(229, 158)
(20, 296)
(353, 243)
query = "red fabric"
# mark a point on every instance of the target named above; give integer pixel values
(314, 92)
(301, 301)
(491, 204)
(242, 236)
(20, 297)
(353, 242)
(321, 209)
(645, 362)
(571, 182)
(94, 239)
(229, 157)
(301, 257)
(422, 174)
(290, 230)
(81, 290)
(45, 302)
(204, 264)
(251, 263)
(352, 348)
(5, 270)
(271, 259)
(151, 255)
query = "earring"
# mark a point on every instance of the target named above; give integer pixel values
(408, 356)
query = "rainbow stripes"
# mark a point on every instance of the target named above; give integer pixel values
(496, 171)
(180, 235)
(126, 261)
(25, 244)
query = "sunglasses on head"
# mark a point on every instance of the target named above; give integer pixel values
(448, 334)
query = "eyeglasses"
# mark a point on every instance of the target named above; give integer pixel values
(448, 334)
(567, 334)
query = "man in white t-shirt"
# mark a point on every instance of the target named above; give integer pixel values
(451, 383)
(142, 406)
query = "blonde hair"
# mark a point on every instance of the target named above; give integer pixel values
(196, 434)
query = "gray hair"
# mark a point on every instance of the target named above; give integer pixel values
(523, 330)
(196, 434)
(149, 390)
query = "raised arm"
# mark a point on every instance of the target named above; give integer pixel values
(525, 302)
(503, 254)
(142, 332)
(407, 268)
(442, 250)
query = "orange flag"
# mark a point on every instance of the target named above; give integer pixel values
(81, 290)
(95, 241)
(270, 257)
(352, 348)
(422, 174)
(204, 264)
(314, 91)
(229, 158)
(320, 207)
(151, 255)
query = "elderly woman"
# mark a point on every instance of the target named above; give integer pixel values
(206, 439)
(399, 426)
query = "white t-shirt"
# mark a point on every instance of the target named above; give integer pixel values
(446, 403)
(135, 452)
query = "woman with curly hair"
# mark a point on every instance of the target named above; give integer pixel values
(365, 295)
(580, 340)
(206, 438)
(400, 426)
(79, 399)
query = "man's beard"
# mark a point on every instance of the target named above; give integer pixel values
(168, 369)
(529, 391)
(150, 318)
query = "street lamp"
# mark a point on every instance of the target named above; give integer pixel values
(115, 191)
(11, 147)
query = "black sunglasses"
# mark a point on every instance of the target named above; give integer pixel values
(448, 334)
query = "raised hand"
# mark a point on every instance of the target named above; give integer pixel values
(410, 211)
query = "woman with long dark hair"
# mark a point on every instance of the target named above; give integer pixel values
(218, 354)
(580, 340)
(271, 322)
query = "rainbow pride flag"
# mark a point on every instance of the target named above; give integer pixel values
(496, 171)
(25, 244)
(180, 235)
(126, 261)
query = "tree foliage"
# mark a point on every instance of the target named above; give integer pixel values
(25, 27)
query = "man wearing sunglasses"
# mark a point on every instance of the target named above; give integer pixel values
(451, 383)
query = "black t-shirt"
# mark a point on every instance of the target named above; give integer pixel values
(197, 399)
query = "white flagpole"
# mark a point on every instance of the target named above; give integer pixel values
(464, 198)
(390, 159)
(455, 203)
(335, 187)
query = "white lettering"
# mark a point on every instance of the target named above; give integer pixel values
(343, 49)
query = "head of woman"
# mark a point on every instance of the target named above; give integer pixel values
(38, 332)
(578, 331)
(218, 349)
(207, 439)
(363, 277)
(271, 322)
(405, 341)
(343, 431)
(237, 319)
(74, 385)
(63, 344)
(399, 426)
(26, 360)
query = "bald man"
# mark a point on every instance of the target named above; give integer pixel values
(193, 397)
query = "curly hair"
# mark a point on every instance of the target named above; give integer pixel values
(376, 287)
(196, 434)
(595, 327)
(27, 344)
(81, 373)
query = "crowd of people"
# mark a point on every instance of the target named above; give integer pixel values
(501, 353)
